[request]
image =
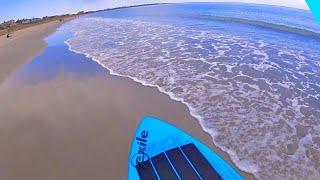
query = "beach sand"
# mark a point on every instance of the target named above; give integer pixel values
(22, 46)
(75, 128)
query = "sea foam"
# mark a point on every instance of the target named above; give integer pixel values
(249, 95)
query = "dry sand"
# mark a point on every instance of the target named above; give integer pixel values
(68, 128)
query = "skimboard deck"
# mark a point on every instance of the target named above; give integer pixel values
(162, 151)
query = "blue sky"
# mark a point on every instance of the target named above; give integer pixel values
(15, 9)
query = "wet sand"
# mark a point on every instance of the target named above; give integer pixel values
(77, 128)
(68, 128)
(22, 46)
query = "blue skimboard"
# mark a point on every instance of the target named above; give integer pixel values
(161, 151)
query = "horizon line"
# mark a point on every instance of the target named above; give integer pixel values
(150, 4)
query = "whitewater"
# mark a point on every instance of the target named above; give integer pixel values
(259, 100)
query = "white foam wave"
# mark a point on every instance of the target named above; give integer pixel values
(218, 77)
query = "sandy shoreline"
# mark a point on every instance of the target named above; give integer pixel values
(22, 46)
(68, 128)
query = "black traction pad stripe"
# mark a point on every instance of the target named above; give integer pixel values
(181, 164)
(163, 167)
(145, 171)
(199, 162)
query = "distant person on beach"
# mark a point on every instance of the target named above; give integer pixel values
(9, 30)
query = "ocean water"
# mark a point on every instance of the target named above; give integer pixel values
(249, 73)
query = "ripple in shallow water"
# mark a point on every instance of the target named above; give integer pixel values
(259, 101)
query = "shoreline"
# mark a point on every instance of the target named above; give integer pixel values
(24, 45)
(174, 111)
(209, 140)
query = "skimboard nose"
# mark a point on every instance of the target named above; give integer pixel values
(162, 151)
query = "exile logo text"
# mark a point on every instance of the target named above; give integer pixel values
(140, 155)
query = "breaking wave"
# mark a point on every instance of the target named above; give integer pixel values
(278, 27)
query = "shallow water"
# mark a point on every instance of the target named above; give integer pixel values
(56, 60)
(255, 87)
(60, 112)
